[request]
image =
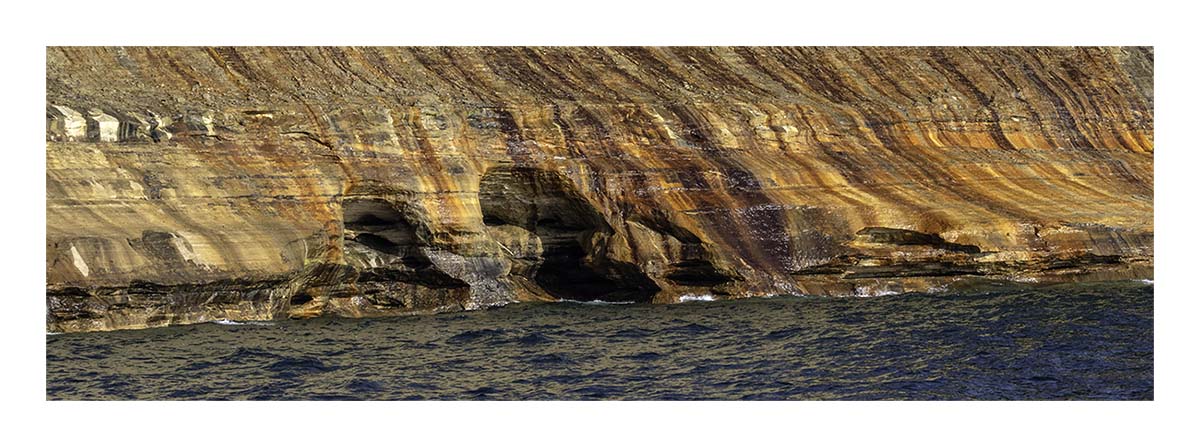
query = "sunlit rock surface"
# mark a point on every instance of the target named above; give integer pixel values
(196, 184)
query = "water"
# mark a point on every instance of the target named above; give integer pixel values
(1063, 342)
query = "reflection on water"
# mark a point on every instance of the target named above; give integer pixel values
(1063, 342)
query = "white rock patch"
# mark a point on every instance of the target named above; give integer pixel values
(78, 261)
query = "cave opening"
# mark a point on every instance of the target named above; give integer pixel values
(300, 299)
(544, 205)
(377, 234)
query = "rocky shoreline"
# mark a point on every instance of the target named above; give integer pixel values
(187, 185)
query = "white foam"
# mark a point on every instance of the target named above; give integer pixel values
(54, 333)
(1147, 281)
(867, 292)
(595, 302)
(689, 297)
(228, 322)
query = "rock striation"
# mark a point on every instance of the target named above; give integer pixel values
(193, 184)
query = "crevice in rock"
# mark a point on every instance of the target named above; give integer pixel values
(570, 264)
(1082, 260)
(695, 272)
(896, 236)
(309, 136)
(911, 269)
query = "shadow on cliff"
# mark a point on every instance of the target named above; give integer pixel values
(555, 237)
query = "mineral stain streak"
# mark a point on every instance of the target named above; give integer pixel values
(191, 184)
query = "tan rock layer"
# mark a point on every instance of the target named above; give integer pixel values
(190, 184)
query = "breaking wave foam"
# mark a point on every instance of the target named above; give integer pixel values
(228, 322)
(868, 292)
(689, 297)
(602, 302)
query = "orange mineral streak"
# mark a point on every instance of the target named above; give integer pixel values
(724, 171)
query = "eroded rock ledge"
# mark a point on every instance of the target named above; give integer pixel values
(195, 184)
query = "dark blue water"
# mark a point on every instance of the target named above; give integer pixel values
(1063, 342)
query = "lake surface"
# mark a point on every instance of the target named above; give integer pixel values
(1092, 341)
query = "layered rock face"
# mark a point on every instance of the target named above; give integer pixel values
(192, 184)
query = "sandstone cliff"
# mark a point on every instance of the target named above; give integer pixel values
(192, 184)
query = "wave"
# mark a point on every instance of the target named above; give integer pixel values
(595, 302)
(1147, 281)
(689, 297)
(476, 334)
(870, 292)
(228, 322)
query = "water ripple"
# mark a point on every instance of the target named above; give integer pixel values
(1090, 341)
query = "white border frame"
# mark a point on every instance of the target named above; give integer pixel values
(30, 28)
